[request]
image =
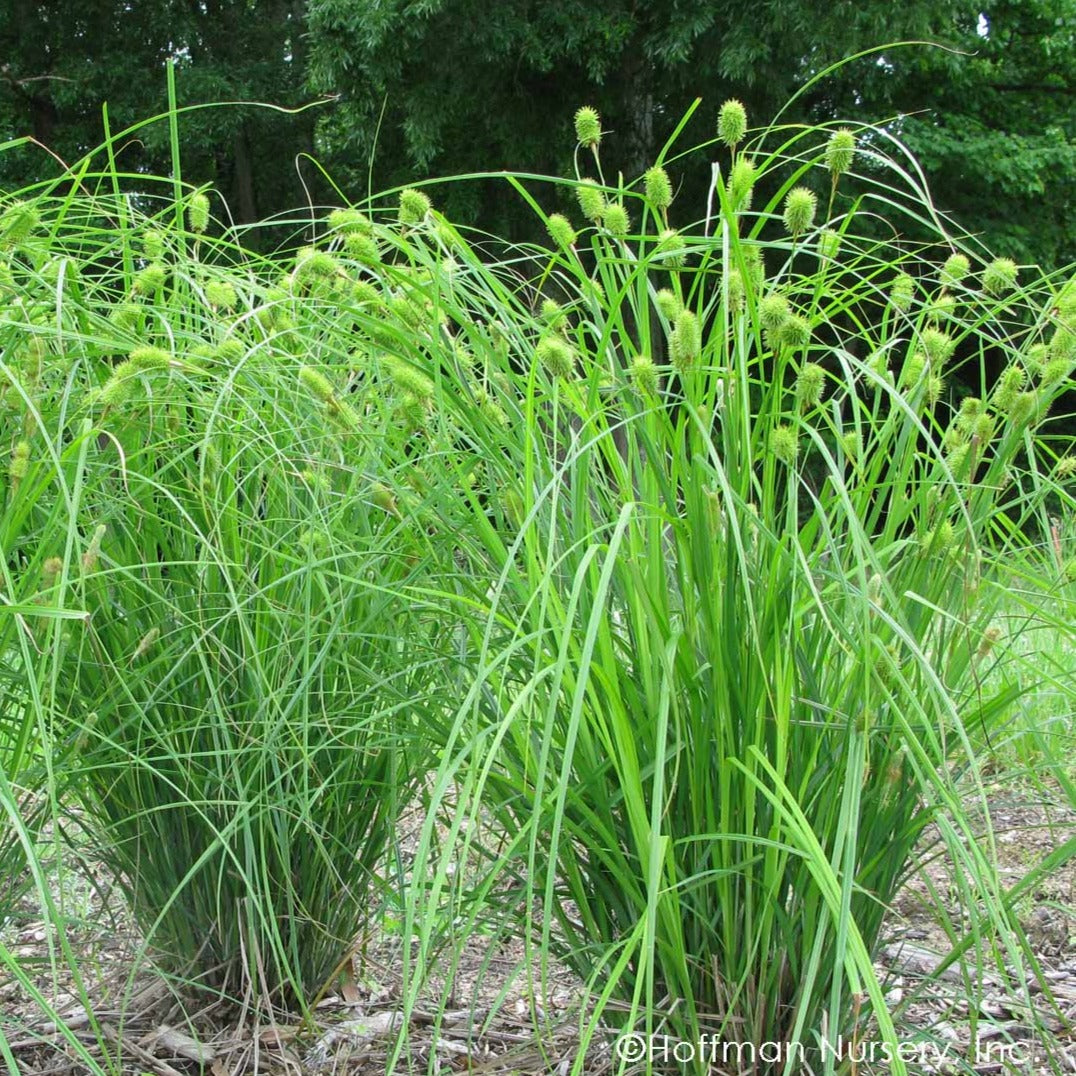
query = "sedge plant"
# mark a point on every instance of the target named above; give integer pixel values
(737, 542)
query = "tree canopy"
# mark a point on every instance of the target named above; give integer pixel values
(425, 88)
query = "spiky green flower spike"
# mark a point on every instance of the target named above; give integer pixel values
(954, 270)
(616, 220)
(198, 213)
(840, 152)
(658, 187)
(414, 206)
(732, 123)
(561, 231)
(588, 127)
(999, 276)
(800, 208)
(591, 200)
(742, 178)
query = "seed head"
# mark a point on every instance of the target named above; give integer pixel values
(554, 354)
(1055, 371)
(671, 249)
(153, 244)
(145, 643)
(588, 127)
(552, 313)
(850, 445)
(773, 311)
(591, 200)
(20, 462)
(1000, 276)
(732, 123)
(125, 315)
(688, 339)
(829, 243)
(149, 280)
(93, 550)
(561, 231)
(840, 152)
(414, 206)
(784, 444)
(616, 220)
(989, 640)
(955, 269)
(17, 222)
(350, 222)
(119, 388)
(942, 307)
(1009, 387)
(902, 292)
(362, 246)
(311, 262)
(316, 383)
(937, 346)
(407, 379)
(983, 430)
(1022, 408)
(741, 183)
(940, 539)
(220, 295)
(1066, 468)
(915, 368)
(971, 407)
(198, 213)
(1063, 343)
(934, 388)
(801, 205)
(737, 292)
(50, 569)
(659, 191)
(144, 359)
(794, 332)
(644, 376)
(668, 303)
(810, 385)
(229, 352)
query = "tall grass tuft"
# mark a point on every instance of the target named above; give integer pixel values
(738, 546)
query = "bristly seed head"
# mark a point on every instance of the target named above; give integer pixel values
(732, 123)
(801, 205)
(20, 462)
(840, 152)
(554, 354)
(1000, 276)
(741, 183)
(773, 311)
(902, 292)
(588, 127)
(616, 220)
(658, 187)
(668, 303)
(955, 269)
(414, 207)
(198, 213)
(810, 385)
(591, 200)
(644, 376)
(784, 444)
(221, 295)
(561, 231)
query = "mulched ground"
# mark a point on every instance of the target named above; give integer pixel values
(490, 1026)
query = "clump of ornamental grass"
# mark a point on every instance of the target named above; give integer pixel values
(646, 562)
(235, 651)
(734, 592)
